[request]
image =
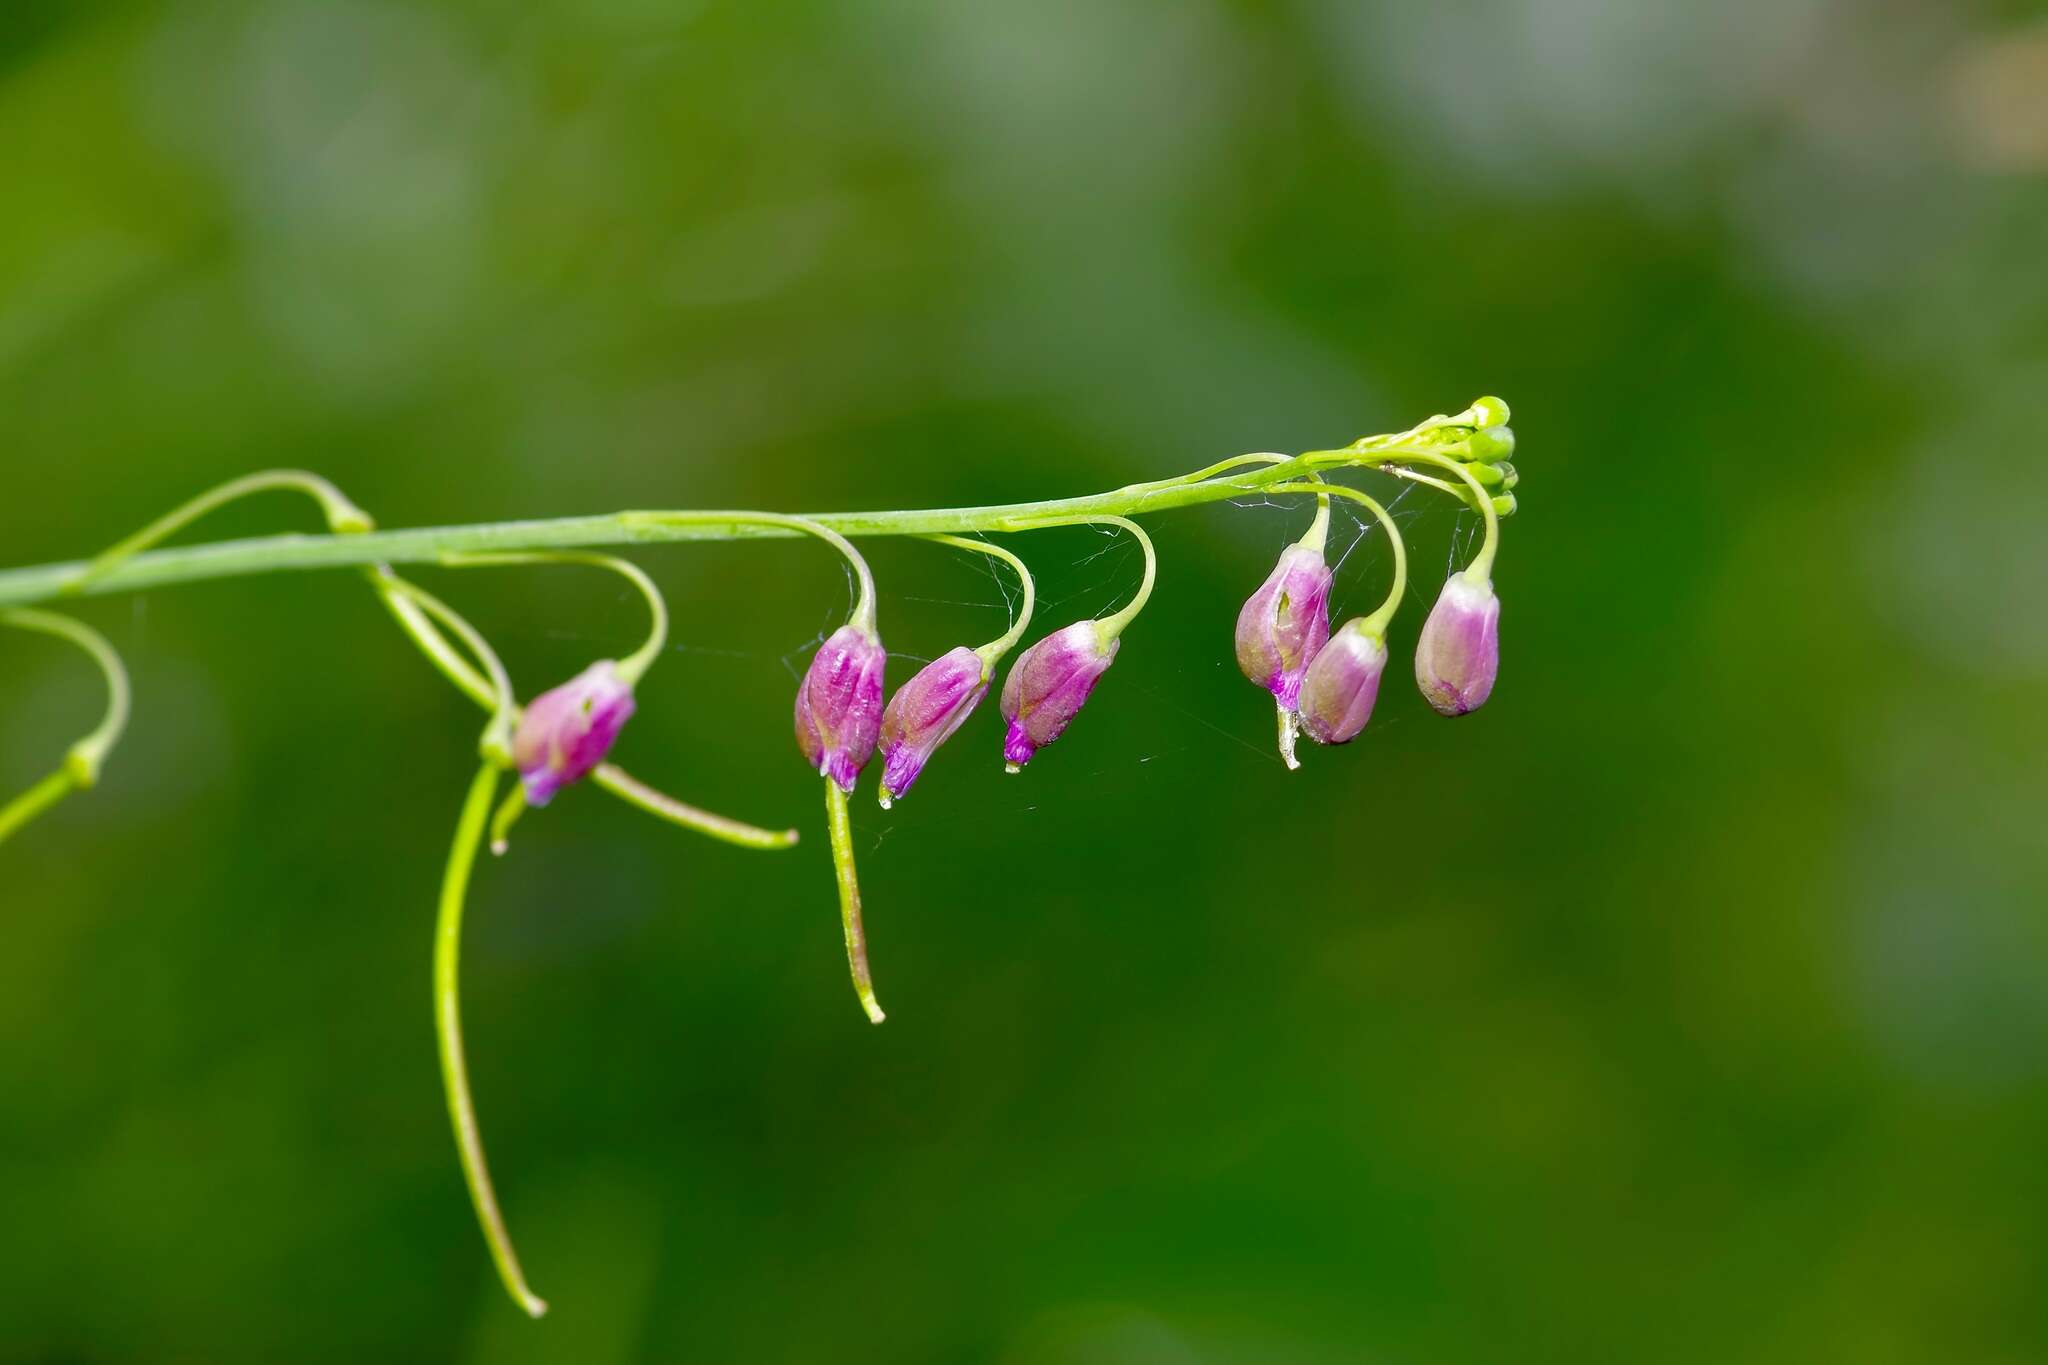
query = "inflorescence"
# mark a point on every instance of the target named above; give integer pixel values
(1323, 682)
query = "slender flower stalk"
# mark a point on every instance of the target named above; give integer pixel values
(469, 832)
(840, 829)
(343, 517)
(634, 666)
(497, 739)
(80, 769)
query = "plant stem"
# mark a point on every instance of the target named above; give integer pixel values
(635, 665)
(995, 649)
(85, 757)
(276, 554)
(37, 799)
(841, 830)
(448, 1028)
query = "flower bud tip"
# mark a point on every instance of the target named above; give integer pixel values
(925, 712)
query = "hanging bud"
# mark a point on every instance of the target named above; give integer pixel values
(1048, 684)
(1459, 652)
(925, 712)
(1342, 683)
(1285, 623)
(1491, 444)
(568, 731)
(839, 704)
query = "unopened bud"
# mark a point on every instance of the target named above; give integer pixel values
(1048, 685)
(925, 712)
(1342, 684)
(1459, 652)
(1489, 412)
(1285, 622)
(568, 731)
(839, 704)
(1491, 445)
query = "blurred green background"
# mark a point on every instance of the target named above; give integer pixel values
(1685, 1004)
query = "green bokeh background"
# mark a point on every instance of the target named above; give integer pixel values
(1686, 1004)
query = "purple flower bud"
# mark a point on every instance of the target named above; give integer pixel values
(1342, 684)
(1285, 623)
(925, 712)
(1048, 684)
(568, 731)
(839, 704)
(1459, 653)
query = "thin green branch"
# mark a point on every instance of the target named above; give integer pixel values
(294, 553)
(635, 665)
(995, 649)
(840, 827)
(469, 1144)
(343, 517)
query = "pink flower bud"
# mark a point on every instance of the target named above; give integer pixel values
(1342, 683)
(925, 712)
(568, 731)
(1285, 623)
(1048, 684)
(839, 704)
(1459, 652)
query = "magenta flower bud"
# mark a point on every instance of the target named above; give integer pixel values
(925, 712)
(1459, 653)
(1048, 684)
(1285, 623)
(839, 704)
(568, 731)
(1342, 683)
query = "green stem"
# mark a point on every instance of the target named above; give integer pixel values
(497, 741)
(448, 1028)
(274, 554)
(995, 649)
(342, 516)
(37, 799)
(635, 665)
(1378, 621)
(1480, 570)
(841, 831)
(767, 523)
(634, 792)
(393, 592)
(88, 754)
(1112, 625)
